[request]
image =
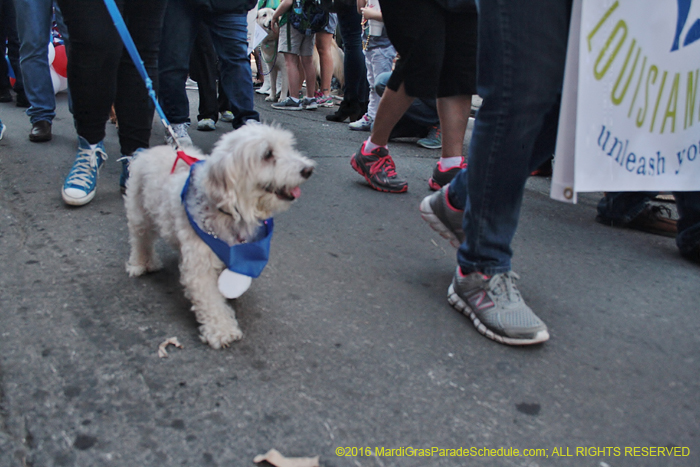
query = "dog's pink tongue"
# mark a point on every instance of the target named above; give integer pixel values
(296, 192)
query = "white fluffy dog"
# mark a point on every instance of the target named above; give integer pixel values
(273, 63)
(252, 173)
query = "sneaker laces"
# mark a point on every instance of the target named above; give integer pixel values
(504, 284)
(434, 132)
(181, 130)
(386, 163)
(85, 162)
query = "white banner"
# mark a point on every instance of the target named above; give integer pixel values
(637, 110)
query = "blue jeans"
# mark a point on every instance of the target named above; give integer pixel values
(229, 34)
(521, 55)
(34, 18)
(623, 207)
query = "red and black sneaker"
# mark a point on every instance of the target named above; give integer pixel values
(379, 170)
(442, 177)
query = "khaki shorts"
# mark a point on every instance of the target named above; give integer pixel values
(292, 41)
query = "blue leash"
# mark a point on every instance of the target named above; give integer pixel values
(138, 63)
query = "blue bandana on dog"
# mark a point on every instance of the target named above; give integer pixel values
(248, 259)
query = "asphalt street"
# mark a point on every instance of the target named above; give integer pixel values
(351, 351)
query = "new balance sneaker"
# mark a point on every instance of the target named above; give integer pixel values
(446, 220)
(226, 116)
(181, 133)
(288, 104)
(442, 176)
(309, 103)
(206, 124)
(325, 101)
(496, 308)
(81, 183)
(433, 140)
(363, 124)
(379, 169)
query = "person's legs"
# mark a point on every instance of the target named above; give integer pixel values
(178, 35)
(132, 103)
(325, 57)
(203, 70)
(356, 89)
(34, 28)
(95, 49)
(520, 78)
(417, 120)
(307, 64)
(229, 33)
(9, 17)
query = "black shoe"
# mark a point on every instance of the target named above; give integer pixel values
(5, 95)
(41, 131)
(351, 109)
(21, 100)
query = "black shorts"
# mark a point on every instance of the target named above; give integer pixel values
(436, 47)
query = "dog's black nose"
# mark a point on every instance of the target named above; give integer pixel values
(306, 173)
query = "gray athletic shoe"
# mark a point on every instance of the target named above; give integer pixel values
(309, 103)
(496, 308)
(436, 210)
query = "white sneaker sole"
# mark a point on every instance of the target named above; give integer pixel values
(428, 216)
(72, 201)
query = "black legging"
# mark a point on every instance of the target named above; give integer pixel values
(101, 72)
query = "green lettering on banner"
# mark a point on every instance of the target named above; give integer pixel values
(620, 26)
(636, 90)
(658, 100)
(672, 105)
(642, 113)
(600, 23)
(617, 100)
(690, 95)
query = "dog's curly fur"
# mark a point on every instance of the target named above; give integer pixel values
(252, 173)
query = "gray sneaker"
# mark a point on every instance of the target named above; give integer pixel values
(181, 133)
(309, 103)
(436, 210)
(496, 308)
(288, 104)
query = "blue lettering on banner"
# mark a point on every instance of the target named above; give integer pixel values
(650, 165)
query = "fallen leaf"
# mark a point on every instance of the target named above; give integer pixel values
(162, 353)
(278, 460)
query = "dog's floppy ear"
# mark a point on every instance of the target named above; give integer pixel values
(219, 184)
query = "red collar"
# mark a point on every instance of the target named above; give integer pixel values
(189, 160)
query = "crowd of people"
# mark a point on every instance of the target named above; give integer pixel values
(411, 69)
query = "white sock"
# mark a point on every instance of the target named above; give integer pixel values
(370, 146)
(449, 162)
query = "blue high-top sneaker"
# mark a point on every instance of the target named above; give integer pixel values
(81, 182)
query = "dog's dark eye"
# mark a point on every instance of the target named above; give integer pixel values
(269, 156)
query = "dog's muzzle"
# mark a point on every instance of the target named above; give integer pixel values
(290, 194)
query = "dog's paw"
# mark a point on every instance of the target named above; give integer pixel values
(135, 270)
(219, 336)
